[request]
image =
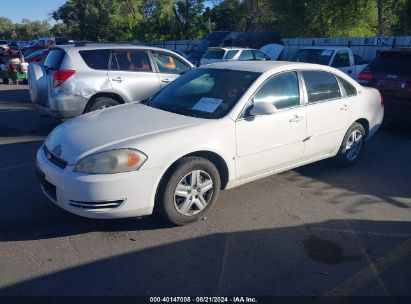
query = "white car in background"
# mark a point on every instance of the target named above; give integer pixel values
(338, 57)
(222, 54)
(215, 127)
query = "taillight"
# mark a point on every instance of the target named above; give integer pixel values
(61, 76)
(365, 76)
(382, 99)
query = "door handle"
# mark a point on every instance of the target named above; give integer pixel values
(117, 79)
(344, 108)
(166, 80)
(296, 118)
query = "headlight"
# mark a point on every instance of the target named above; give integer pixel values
(114, 161)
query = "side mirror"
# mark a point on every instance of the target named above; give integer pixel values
(263, 108)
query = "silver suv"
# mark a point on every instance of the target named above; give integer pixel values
(77, 79)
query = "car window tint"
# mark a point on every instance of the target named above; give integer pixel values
(96, 59)
(261, 56)
(281, 90)
(391, 62)
(359, 60)
(348, 87)
(231, 54)
(321, 86)
(247, 55)
(214, 54)
(136, 61)
(54, 59)
(169, 64)
(341, 60)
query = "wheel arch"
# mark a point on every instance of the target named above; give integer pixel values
(103, 94)
(366, 125)
(213, 157)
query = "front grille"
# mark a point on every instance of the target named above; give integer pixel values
(54, 159)
(97, 205)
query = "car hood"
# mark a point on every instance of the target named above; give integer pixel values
(118, 127)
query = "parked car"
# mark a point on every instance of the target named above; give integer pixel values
(77, 79)
(50, 41)
(232, 39)
(341, 58)
(38, 56)
(3, 45)
(390, 73)
(219, 54)
(215, 127)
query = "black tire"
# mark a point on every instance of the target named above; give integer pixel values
(100, 103)
(165, 201)
(343, 156)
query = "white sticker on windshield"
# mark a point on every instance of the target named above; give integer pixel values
(326, 53)
(206, 104)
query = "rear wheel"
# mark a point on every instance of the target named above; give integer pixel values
(352, 145)
(101, 103)
(189, 191)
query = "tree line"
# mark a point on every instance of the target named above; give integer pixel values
(154, 20)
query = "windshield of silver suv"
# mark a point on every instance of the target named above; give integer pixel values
(205, 93)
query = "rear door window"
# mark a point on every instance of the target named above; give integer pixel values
(132, 61)
(54, 59)
(96, 59)
(321, 86)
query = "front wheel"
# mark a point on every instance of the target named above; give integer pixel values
(189, 190)
(352, 145)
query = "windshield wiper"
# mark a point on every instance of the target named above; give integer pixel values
(176, 110)
(147, 101)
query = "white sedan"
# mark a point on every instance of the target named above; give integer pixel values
(216, 127)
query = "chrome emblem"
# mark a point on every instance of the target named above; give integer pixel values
(403, 85)
(48, 155)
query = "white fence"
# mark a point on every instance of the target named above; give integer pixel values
(366, 47)
(179, 45)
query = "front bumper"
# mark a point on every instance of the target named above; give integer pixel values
(134, 191)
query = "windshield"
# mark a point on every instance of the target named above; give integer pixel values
(318, 56)
(214, 54)
(205, 93)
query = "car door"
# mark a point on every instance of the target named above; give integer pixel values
(270, 142)
(328, 113)
(132, 75)
(169, 67)
(341, 61)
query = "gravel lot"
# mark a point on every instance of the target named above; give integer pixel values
(317, 230)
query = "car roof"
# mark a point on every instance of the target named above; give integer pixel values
(263, 66)
(97, 46)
